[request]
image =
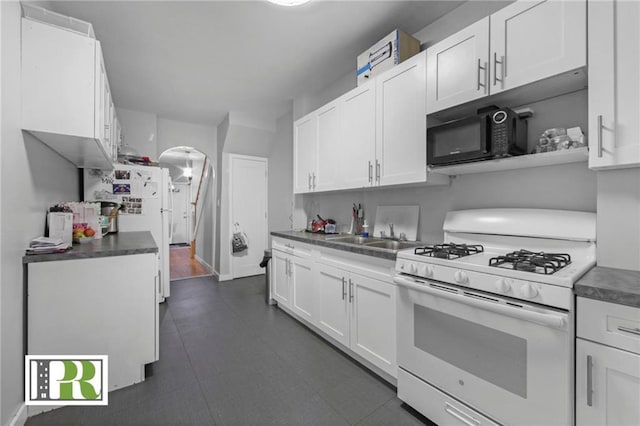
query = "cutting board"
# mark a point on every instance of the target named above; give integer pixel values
(404, 219)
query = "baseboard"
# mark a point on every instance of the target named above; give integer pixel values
(199, 259)
(20, 418)
(225, 277)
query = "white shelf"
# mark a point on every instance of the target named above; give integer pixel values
(520, 162)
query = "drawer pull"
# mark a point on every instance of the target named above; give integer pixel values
(464, 418)
(635, 331)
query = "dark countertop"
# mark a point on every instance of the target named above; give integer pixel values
(325, 241)
(118, 244)
(619, 286)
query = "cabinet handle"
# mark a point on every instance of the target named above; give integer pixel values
(495, 71)
(481, 68)
(344, 290)
(314, 181)
(370, 172)
(600, 136)
(309, 177)
(464, 418)
(350, 290)
(377, 171)
(589, 381)
(624, 329)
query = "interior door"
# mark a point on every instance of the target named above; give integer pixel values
(248, 194)
(180, 220)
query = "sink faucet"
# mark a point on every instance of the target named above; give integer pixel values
(391, 233)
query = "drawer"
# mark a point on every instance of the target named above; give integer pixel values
(435, 405)
(609, 323)
(292, 247)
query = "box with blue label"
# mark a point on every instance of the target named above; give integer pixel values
(385, 54)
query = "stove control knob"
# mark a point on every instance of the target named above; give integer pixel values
(461, 277)
(503, 286)
(402, 266)
(529, 291)
(427, 271)
(413, 268)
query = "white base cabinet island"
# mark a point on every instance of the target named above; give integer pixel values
(100, 298)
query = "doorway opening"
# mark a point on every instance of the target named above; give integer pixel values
(191, 246)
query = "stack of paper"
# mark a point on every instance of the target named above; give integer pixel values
(42, 245)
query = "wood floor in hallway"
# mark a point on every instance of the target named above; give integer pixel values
(182, 266)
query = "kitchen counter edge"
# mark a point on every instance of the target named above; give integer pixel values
(118, 244)
(612, 285)
(325, 241)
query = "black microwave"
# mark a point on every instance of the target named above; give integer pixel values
(490, 134)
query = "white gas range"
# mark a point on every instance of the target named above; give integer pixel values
(485, 321)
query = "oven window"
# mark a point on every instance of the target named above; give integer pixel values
(492, 355)
(457, 140)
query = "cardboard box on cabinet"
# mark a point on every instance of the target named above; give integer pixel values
(385, 54)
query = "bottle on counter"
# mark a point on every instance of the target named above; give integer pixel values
(365, 229)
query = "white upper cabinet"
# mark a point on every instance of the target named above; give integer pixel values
(63, 97)
(532, 40)
(526, 42)
(305, 143)
(458, 68)
(614, 86)
(356, 155)
(401, 148)
(327, 174)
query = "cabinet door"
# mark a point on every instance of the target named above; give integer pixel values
(457, 68)
(327, 173)
(614, 87)
(607, 385)
(373, 321)
(401, 148)
(99, 102)
(356, 156)
(58, 77)
(533, 40)
(332, 302)
(280, 278)
(304, 153)
(302, 286)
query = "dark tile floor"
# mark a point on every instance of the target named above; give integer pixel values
(228, 358)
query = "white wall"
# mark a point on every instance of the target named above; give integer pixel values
(32, 177)
(281, 176)
(140, 130)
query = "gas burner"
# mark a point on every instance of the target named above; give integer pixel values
(528, 261)
(448, 250)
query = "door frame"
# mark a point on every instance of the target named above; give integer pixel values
(232, 158)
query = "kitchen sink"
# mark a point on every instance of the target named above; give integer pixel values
(353, 239)
(391, 244)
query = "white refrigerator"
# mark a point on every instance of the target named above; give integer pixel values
(144, 194)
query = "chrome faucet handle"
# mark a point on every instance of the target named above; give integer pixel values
(403, 236)
(382, 234)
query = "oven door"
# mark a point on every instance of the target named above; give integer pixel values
(508, 360)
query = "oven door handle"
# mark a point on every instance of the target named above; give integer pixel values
(550, 320)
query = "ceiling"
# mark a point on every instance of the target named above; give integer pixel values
(196, 61)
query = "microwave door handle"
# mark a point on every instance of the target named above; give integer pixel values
(549, 320)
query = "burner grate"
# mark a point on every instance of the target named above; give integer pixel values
(528, 261)
(448, 250)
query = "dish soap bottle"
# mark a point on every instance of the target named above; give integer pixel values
(365, 229)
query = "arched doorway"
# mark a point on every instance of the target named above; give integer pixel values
(191, 230)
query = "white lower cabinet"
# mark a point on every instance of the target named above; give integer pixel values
(607, 364)
(352, 303)
(359, 312)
